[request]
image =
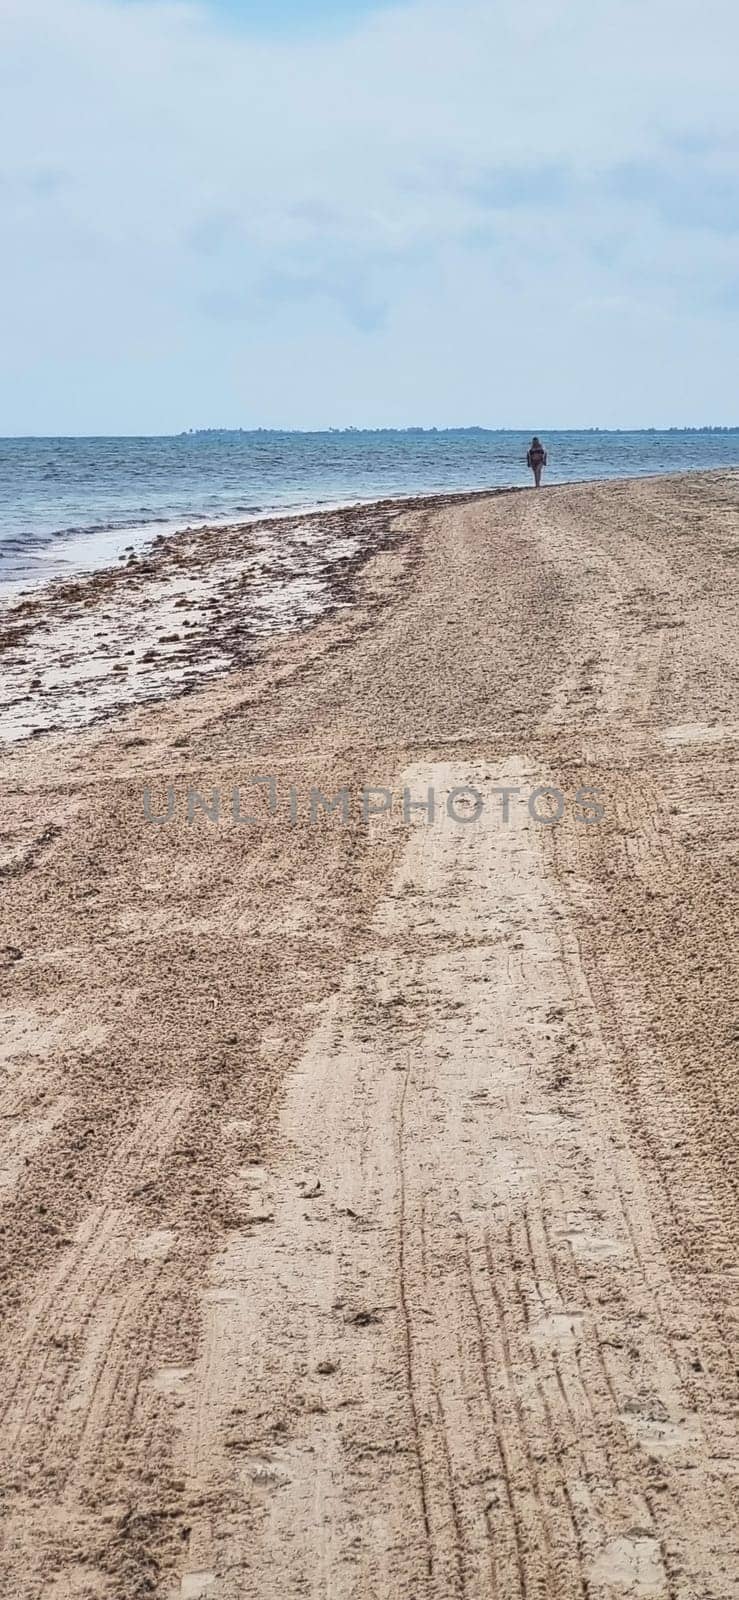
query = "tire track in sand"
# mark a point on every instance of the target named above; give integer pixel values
(419, 1374)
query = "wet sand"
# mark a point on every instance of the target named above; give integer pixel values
(369, 1183)
(190, 606)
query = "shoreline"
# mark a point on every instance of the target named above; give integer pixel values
(143, 538)
(189, 606)
(204, 601)
(109, 544)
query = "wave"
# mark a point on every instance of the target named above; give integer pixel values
(137, 518)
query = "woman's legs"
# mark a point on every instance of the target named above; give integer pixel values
(537, 473)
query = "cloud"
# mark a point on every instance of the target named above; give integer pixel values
(434, 212)
(692, 193)
(507, 188)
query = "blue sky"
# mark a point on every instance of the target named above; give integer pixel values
(297, 16)
(341, 213)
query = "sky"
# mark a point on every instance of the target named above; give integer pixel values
(316, 213)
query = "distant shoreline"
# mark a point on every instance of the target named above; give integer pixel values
(317, 433)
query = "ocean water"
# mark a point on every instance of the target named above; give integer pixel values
(68, 504)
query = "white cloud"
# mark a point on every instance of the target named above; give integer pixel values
(468, 213)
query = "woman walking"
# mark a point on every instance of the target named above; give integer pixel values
(536, 458)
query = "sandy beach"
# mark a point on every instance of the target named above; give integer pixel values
(368, 1176)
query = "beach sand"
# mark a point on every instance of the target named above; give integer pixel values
(368, 1183)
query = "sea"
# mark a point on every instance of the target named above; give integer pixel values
(74, 504)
